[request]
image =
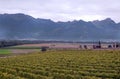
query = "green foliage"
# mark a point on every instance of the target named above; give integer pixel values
(63, 64)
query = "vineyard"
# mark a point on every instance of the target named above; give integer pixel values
(62, 64)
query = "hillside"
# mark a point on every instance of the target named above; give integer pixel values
(21, 26)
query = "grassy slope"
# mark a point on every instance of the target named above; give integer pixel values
(63, 64)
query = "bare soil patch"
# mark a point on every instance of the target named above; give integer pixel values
(21, 51)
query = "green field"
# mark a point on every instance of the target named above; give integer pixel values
(4, 51)
(62, 64)
(23, 47)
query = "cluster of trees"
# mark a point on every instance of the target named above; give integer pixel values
(5, 43)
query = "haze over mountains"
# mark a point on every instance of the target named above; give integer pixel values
(21, 26)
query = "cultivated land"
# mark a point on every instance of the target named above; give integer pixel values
(66, 46)
(62, 64)
(50, 45)
(4, 51)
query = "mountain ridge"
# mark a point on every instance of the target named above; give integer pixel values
(22, 26)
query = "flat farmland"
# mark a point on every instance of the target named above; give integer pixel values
(13, 52)
(63, 46)
(62, 64)
(50, 45)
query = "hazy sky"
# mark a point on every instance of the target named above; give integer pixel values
(64, 10)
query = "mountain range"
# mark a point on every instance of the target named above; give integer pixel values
(22, 26)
